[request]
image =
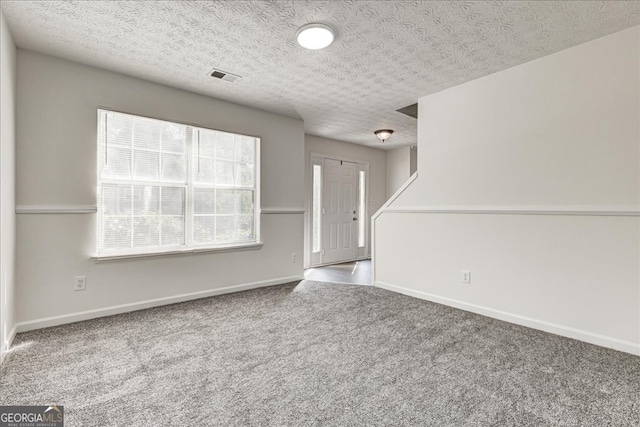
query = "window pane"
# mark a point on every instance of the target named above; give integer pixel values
(226, 228)
(146, 231)
(227, 202)
(245, 150)
(116, 233)
(203, 171)
(146, 133)
(118, 164)
(172, 201)
(116, 199)
(317, 195)
(245, 174)
(174, 168)
(223, 173)
(119, 127)
(174, 137)
(224, 146)
(146, 165)
(246, 202)
(204, 201)
(146, 200)
(245, 228)
(172, 230)
(204, 148)
(204, 229)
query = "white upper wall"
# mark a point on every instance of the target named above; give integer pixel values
(560, 130)
(7, 184)
(56, 166)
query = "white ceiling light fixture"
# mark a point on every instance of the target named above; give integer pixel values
(383, 134)
(315, 36)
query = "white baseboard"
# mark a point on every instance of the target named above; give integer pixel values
(125, 308)
(6, 345)
(565, 331)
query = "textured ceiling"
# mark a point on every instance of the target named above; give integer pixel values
(386, 54)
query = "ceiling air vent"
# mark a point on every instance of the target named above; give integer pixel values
(223, 75)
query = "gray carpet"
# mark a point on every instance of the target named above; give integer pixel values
(318, 354)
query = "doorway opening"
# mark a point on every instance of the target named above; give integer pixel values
(339, 219)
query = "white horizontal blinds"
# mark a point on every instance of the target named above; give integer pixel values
(142, 183)
(163, 185)
(224, 187)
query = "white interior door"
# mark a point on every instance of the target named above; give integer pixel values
(339, 219)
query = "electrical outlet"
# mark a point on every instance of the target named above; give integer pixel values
(80, 283)
(466, 276)
(294, 257)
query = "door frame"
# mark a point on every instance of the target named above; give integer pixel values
(314, 259)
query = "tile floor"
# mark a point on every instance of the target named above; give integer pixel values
(357, 272)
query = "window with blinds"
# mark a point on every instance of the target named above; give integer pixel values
(166, 186)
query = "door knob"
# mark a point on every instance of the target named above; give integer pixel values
(355, 219)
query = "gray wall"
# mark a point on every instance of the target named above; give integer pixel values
(56, 167)
(413, 160)
(398, 169)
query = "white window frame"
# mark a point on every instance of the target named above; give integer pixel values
(190, 246)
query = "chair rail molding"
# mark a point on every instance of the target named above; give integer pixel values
(521, 210)
(56, 209)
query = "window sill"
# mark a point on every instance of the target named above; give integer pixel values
(234, 248)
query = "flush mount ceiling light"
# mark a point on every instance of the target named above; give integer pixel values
(383, 134)
(315, 36)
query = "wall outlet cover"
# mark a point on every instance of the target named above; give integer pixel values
(80, 283)
(466, 276)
